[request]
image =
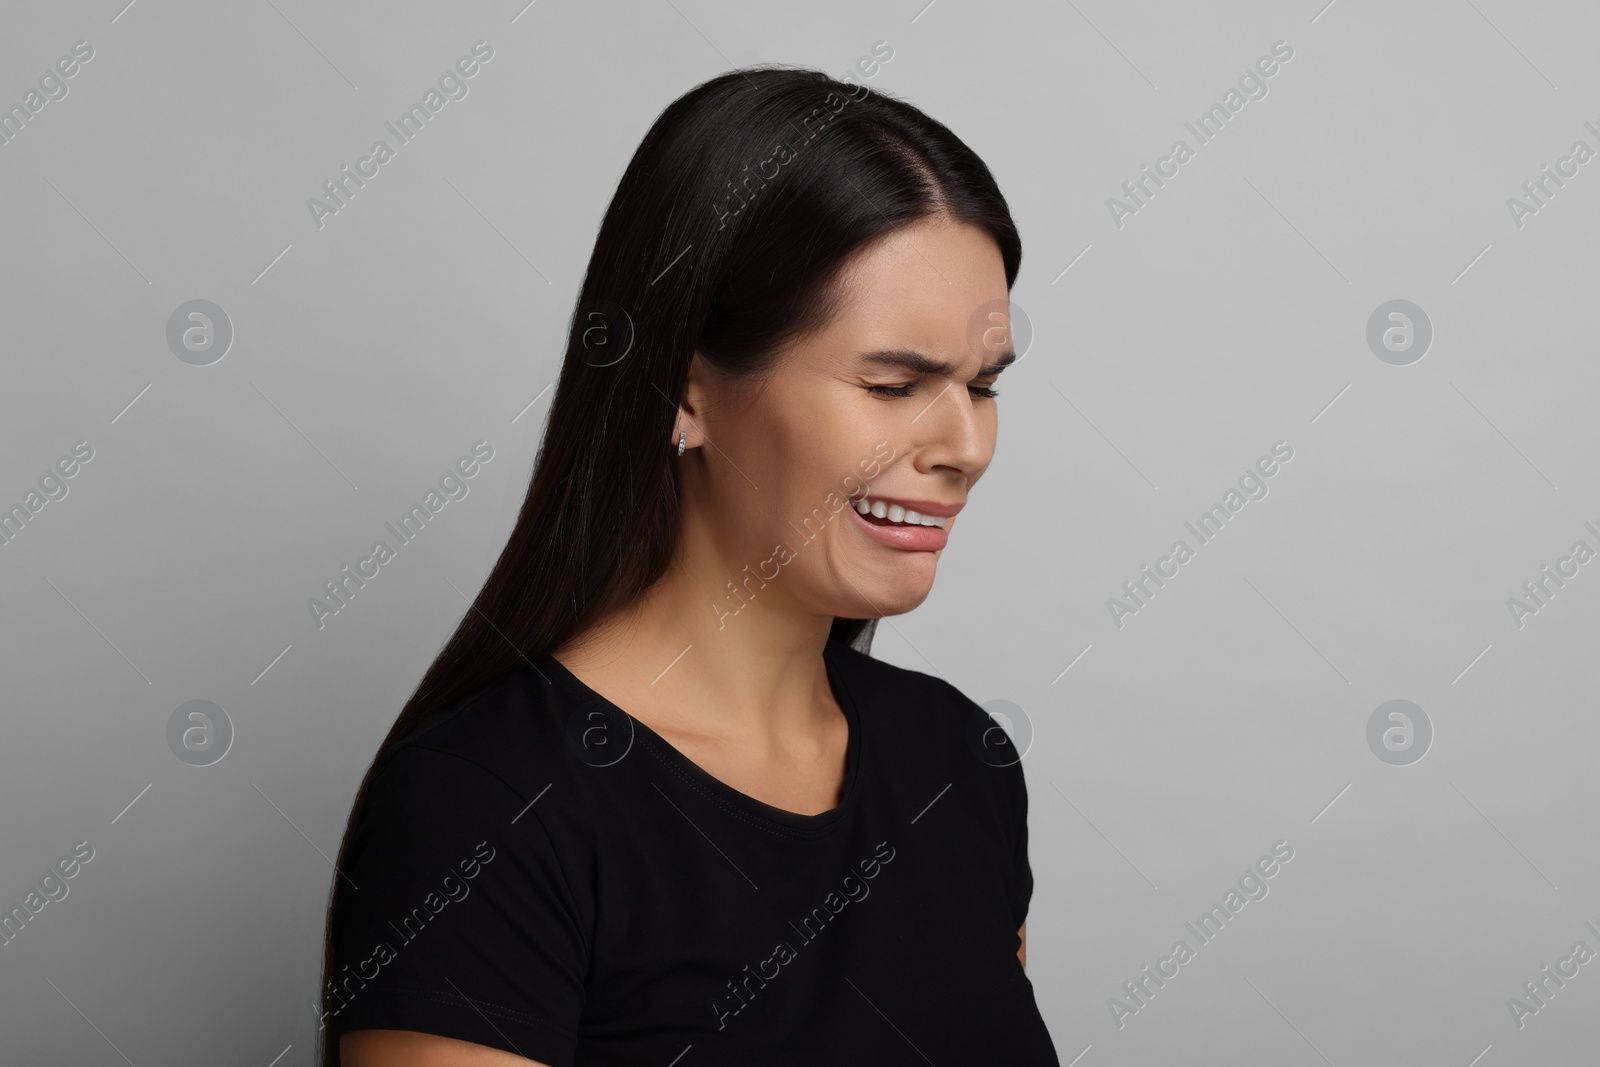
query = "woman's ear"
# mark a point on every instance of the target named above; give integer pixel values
(692, 408)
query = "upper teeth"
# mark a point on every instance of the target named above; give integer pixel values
(895, 513)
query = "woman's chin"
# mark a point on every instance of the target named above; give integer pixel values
(902, 589)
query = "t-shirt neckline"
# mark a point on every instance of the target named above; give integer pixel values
(721, 792)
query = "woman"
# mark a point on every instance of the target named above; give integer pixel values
(654, 803)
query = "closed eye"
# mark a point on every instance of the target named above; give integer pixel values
(982, 392)
(923, 365)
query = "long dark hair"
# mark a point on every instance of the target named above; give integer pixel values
(726, 236)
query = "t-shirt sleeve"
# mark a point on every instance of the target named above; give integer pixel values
(1022, 871)
(455, 916)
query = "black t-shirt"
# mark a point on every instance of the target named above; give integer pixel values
(539, 872)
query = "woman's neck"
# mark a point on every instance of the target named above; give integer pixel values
(752, 669)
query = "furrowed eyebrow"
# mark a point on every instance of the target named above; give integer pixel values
(1004, 360)
(919, 363)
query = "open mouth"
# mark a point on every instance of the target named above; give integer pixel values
(879, 513)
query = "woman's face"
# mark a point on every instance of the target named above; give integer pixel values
(888, 403)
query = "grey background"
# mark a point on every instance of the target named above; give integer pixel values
(1228, 314)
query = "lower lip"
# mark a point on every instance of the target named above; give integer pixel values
(909, 538)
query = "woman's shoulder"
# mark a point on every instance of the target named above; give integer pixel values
(891, 688)
(514, 728)
(927, 715)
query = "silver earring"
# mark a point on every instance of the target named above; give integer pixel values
(683, 436)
